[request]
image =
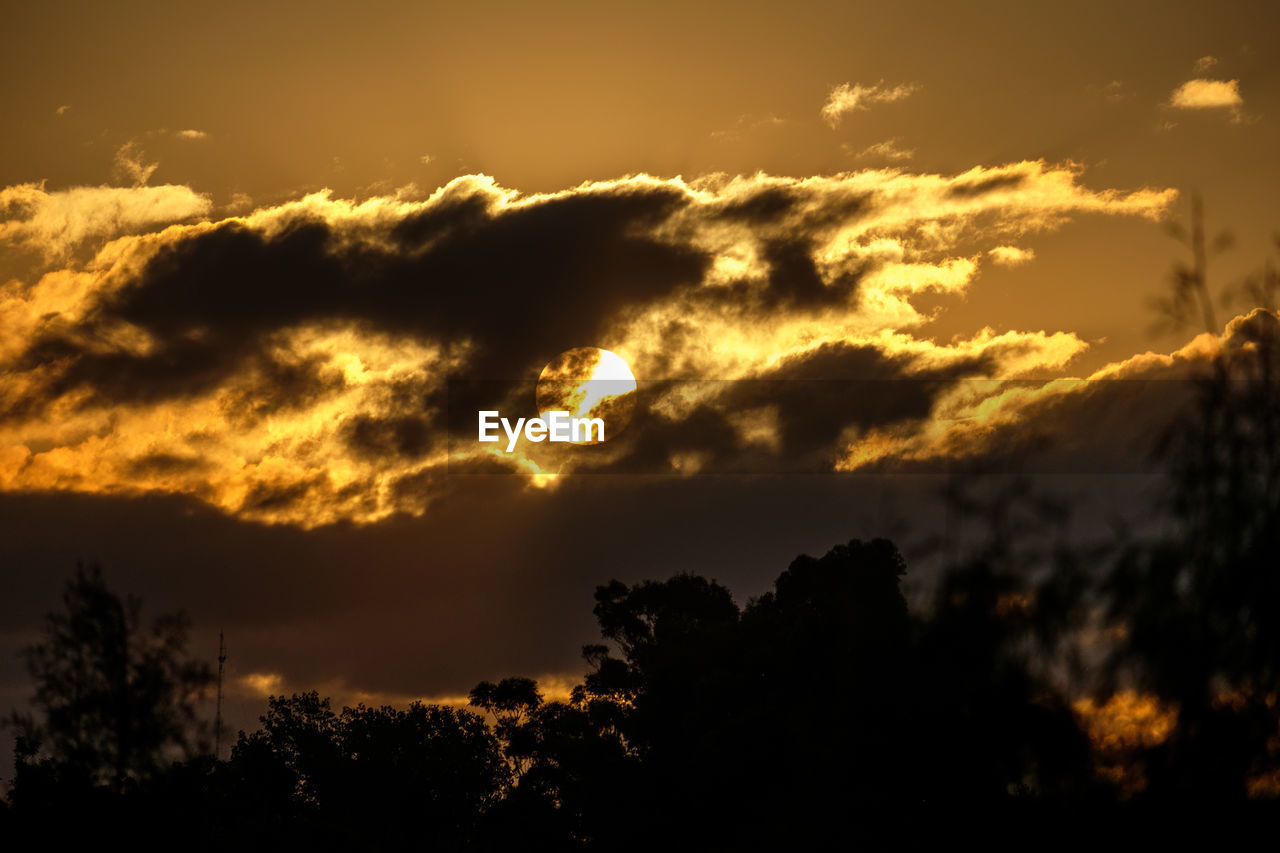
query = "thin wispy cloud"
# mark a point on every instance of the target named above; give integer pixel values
(55, 223)
(191, 134)
(747, 124)
(131, 165)
(1115, 91)
(889, 149)
(847, 98)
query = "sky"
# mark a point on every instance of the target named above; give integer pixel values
(259, 267)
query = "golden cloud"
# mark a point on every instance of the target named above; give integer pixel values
(1200, 94)
(1010, 256)
(889, 149)
(1111, 414)
(290, 365)
(55, 223)
(847, 98)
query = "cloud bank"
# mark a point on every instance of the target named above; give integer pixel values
(294, 364)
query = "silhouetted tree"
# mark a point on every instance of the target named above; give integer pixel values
(1199, 608)
(373, 777)
(1189, 291)
(829, 660)
(512, 702)
(732, 727)
(115, 700)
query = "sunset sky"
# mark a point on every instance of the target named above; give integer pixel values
(247, 254)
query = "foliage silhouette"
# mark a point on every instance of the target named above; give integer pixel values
(378, 777)
(1196, 609)
(114, 711)
(1200, 607)
(1189, 291)
(115, 701)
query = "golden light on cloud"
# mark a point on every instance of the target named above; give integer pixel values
(263, 684)
(847, 98)
(1201, 94)
(55, 222)
(889, 149)
(1010, 256)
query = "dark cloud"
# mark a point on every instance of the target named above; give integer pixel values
(836, 386)
(986, 185)
(160, 464)
(401, 435)
(179, 367)
(271, 384)
(273, 497)
(793, 276)
(520, 286)
(768, 205)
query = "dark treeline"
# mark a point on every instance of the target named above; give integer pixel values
(821, 714)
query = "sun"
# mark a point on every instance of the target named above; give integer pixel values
(589, 382)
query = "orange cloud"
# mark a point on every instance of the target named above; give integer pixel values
(1201, 94)
(847, 98)
(889, 149)
(56, 222)
(313, 395)
(1010, 256)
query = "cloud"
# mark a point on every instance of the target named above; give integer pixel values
(55, 223)
(847, 98)
(239, 203)
(1010, 256)
(1115, 91)
(294, 364)
(130, 165)
(1200, 94)
(889, 149)
(191, 134)
(1204, 63)
(746, 124)
(62, 110)
(1107, 422)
